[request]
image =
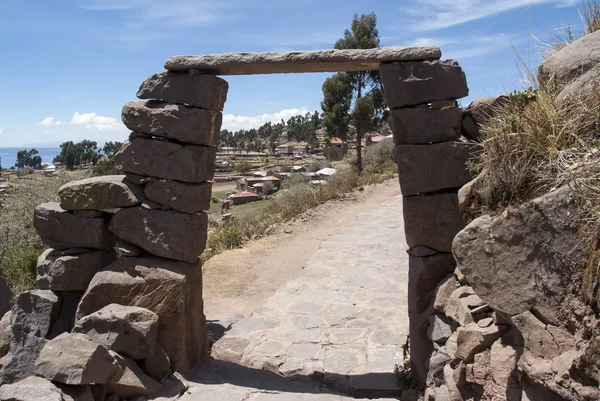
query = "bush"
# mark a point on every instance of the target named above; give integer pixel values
(24, 171)
(19, 267)
(243, 167)
(317, 165)
(106, 166)
(296, 179)
(268, 188)
(380, 153)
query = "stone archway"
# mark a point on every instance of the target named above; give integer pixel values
(171, 155)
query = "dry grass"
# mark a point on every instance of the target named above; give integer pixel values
(590, 14)
(534, 143)
(590, 17)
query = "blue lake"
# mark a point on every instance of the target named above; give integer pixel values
(9, 155)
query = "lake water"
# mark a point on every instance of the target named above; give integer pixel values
(9, 155)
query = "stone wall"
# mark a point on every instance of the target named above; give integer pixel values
(119, 298)
(431, 160)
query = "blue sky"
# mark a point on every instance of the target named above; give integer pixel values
(67, 66)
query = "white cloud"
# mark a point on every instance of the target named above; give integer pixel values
(462, 48)
(94, 121)
(234, 123)
(1, 130)
(50, 122)
(174, 12)
(438, 14)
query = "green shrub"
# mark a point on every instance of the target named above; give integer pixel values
(19, 267)
(268, 188)
(296, 179)
(106, 166)
(380, 153)
(24, 171)
(243, 167)
(317, 165)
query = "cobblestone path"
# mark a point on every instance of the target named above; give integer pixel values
(342, 323)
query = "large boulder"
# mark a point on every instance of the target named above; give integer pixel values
(33, 313)
(133, 382)
(71, 269)
(164, 159)
(522, 259)
(173, 121)
(172, 290)
(168, 234)
(73, 359)
(432, 168)
(98, 193)
(572, 61)
(414, 83)
(128, 330)
(31, 319)
(19, 363)
(60, 229)
(31, 389)
(5, 334)
(180, 196)
(197, 90)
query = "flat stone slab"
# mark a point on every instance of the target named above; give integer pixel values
(348, 326)
(301, 61)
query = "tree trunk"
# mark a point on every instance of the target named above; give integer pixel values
(359, 163)
(359, 132)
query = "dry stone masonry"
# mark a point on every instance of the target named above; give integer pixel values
(119, 305)
(432, 163)
(119, 298)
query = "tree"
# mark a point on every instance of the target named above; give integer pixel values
(111, 148)
(353, 102)
(75, 154)
(28, 158)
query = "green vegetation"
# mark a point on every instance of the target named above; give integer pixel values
(353, 102)
(73, 155)
(28, 158)
(19, 243)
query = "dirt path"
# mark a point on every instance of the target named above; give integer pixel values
(241, 280)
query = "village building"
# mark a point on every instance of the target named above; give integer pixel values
(291, 148)
(243, 198)
(335, 149)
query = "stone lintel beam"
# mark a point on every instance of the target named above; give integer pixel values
(301, 61)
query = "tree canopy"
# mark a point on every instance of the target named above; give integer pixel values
(73, 155)
(353, 102)
(301, 128)
(28, 159)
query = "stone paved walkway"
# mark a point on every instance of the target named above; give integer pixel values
(344, 320)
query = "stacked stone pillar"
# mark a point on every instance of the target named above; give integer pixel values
(431, 167)
(121, 284)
